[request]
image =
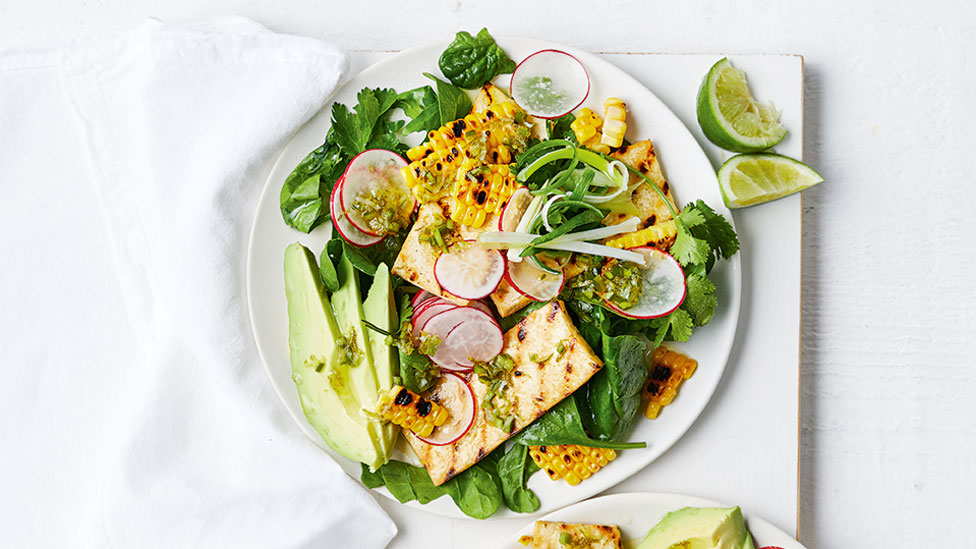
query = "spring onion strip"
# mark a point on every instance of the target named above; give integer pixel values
(502, 239)
(538, 262)
(545, 210)
(595, 249)
(523, 226)
(653, 185)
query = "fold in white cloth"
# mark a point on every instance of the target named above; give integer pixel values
(133, 407)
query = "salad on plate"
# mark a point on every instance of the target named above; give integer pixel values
(497, 298)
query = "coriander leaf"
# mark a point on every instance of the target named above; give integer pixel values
(681, 325)
(452, 103)
(354, 131)
(471, 61)
(690, 217)
(687, 249)
(700, 300)
(715, 230)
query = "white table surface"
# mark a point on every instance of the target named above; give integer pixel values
(887, 437)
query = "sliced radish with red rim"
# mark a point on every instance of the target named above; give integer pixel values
(341, 223)
(454, 394)
(662, 285)
(420, 296)
(550, 83)
(374, 175)
(532, 282)
(479, 338)
(470, 271)
(514, 209)
(420, 320)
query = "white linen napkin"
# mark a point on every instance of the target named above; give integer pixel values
(133, 407)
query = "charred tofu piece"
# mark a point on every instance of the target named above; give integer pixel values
(651, 208)
(540, 379)
(560, 535)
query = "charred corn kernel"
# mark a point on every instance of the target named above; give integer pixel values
(411, 411)
(659, 236)
(481, 191)
(526, 540)
(615, 126)
(489, 137)
(668, 370)
(571, 462)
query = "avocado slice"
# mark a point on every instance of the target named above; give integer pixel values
(700, 528)
(380, 310)
(324, 391)
(348, 306)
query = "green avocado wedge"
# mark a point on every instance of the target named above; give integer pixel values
(324, 387)
(348, 306)
(700, 528)
(379, 309)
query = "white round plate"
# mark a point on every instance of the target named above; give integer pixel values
(637, 513)
(686, 167)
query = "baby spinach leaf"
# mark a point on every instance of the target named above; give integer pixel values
(514, 469)
(509, 322)
(304, 194)
(328, 260)
(366, 260)
(613, 395)
(562, 425)
(559, 128)
(452, 103)
(471, 61)
(420, 105)
(475, 491)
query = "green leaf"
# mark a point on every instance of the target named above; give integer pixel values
(471, 61)
(304, 194)
(354, 131)
(509, 322)
(514, 470)
(716, 230)
(420, 105)
(328, 260)
(613, 395)
(681, 325)
(700, 300)
(562, 425)
(452, 102)
(559, 128)
(687, 249)
(476, 491)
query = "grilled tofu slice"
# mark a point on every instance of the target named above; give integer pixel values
(535, 387)
(415, 263)
(651, 208)
(546, 535)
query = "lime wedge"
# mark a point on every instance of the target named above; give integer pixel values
(729, 115)
(749, 179)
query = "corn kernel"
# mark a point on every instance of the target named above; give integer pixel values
(570, 462)
(407, 409)
(668, 370)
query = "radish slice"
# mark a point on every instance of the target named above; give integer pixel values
(475, 341)
(482, 306)
(663, 287)
(432, 300)
(470, 271)
(374, 175)
(533, 282)
(458, 398)
(550, 83)
(420, 320)
(482, 337)
(512, 213)
(420, 296)
(346, 229)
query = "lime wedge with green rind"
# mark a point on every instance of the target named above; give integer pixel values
(729, 115)
(749, 179)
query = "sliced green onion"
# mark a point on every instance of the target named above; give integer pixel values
(628, 225)
(595, 249)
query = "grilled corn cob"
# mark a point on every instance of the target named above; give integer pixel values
(668, 370)
(659, 236)
(411, 411)
(615, 125)
(571, 462)
(586, 127)
(480, 191)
